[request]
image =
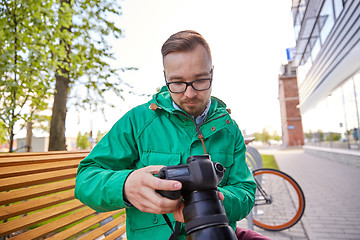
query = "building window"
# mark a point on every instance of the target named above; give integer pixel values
(297, 26)
(315, 49)
(334, 122)
(350, 112)
(338, 7)
(326, 20)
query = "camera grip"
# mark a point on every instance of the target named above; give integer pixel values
(165, 193)
(170, 194)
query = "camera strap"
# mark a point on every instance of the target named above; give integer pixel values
(176, 231)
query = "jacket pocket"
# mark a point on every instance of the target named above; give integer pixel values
(138, 220)
(160, 158)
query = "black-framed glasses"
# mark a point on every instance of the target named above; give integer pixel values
(202, 84)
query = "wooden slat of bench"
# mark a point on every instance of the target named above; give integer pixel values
(34, 179)
(5, 155)
(35, 204)
(30, 220)
(21, 170)
(81, 226)
(116, 234)
(24, 160)
(36, 191)
(55, 225)
(101, 230)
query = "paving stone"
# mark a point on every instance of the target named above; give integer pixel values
(331, 192)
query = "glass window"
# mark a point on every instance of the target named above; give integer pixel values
(356, 80)
(338, 7)
(326, 20)
(302, 8)
(336, 118)
(357, 89)
(297, 27)
(325, 125)
(351, 112)
(315, 49)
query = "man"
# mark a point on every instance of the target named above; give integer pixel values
(180, 121)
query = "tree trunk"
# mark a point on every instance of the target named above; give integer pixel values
(57, 141)
(57, 125)
(12, 123)
(28, 136)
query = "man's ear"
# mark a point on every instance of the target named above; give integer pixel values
(164, 75)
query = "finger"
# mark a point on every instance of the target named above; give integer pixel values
(150, 201)
(153, 169)
(178, 213)
(162, 184)
(221, 196)
(159, 184)
(158, 205)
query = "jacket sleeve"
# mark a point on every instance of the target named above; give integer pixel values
(239, 191)
(101, 175)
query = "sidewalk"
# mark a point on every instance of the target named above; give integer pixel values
(332, 197)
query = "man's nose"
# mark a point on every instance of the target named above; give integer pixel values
(190, 92)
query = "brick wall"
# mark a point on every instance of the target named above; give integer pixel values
(292, 131)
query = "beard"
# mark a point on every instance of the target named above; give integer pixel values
(194, 107)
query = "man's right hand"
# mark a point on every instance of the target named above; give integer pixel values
(140, 186)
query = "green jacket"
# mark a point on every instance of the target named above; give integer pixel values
(162, 135)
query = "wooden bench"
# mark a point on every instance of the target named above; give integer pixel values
(37, 200)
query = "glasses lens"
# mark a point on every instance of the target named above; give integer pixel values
(177, 87)
(202, 84)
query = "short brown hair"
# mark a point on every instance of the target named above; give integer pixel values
(184, 41)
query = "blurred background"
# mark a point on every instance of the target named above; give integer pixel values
(287, 69)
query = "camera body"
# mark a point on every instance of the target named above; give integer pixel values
(204, 214)
(198, 174)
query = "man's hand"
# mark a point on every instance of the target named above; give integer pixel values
(140, 186)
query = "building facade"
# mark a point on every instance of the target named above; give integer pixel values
(41, 144)
(291, 123)
(327, 61)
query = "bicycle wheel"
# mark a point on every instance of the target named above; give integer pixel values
(279, 200)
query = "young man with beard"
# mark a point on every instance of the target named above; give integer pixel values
(181, 120)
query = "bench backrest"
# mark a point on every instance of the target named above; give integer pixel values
(37, 199)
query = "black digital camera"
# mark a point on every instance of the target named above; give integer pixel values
(204, 214)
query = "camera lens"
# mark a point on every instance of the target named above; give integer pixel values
(203, 209)
(205, 217)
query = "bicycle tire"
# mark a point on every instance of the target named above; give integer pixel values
(287, 200)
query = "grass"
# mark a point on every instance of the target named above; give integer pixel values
(269, 161)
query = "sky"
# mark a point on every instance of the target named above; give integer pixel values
(248, 40)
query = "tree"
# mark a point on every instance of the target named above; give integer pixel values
(276, 136)
(82, 141)
(50, 48)
(99, 136)
(2, 133)
(24, 66)
(264, 136)
(84, 27)
(57, 139)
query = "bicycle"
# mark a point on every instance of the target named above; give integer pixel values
(279, 199)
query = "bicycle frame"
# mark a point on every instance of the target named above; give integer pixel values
(266, 199)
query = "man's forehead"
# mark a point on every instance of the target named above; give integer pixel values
(199, 51)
